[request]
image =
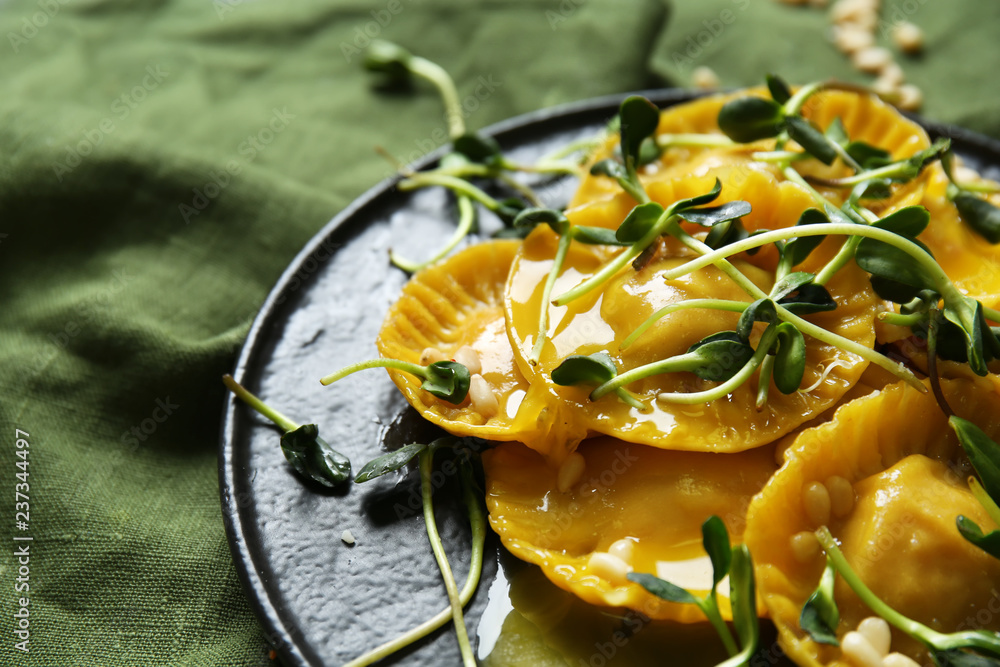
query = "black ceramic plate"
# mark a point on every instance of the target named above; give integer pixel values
(321, 602)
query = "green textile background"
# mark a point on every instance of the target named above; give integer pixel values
(160, 164)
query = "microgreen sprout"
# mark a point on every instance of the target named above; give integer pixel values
(964, 648)
(594, 369)
(448, 380)
(820, 615)
(734, 562)
(310, 455)
(984, 454)
(982, 215)
(477, 520)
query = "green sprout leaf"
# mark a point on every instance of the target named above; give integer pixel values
(967, 314)
(609, 167)
(726, 233)
(575, 369)
(981, 215)
(810, 138)
(683, 205)
(448, 380)
(721, 356)
(797, 250)
(958, 658)
(530, 217)
(596, 236)
(713, 215)
(313, 458)
(868, 156)
(638, 222)
(389, 462)
(799, 294)
(836, 132)
(639, 118)
(790, 359)
(970, 530)
(908, 222)
(715, 539)
(479, 148)
(389, 59)
(762, 310)
(820, 615)
(778, 88)
(508, 209)
(983, 453)
(663, 589)
(891, 263)
(748, 119)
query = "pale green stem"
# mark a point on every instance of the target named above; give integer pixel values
(405, 366)
(795, 102)
(454, 183)
(466, 219)
(426, 492)
(694, 140)
(478, 524)
(991, 314)
(764, 384)
(711, 304)
(710, 607)
(283, 422)
(900, 320)
(521, 188)
(442, 81)
(543, 316)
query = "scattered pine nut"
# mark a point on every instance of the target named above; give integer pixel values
(841, 496)
(899, 660)
(911, 98)
(570, 472)
(856, 648)
(816, 501)
(872, 60)
(804, 547)
(484, 401)
(908, 37)
(876, 630)
(431, 355)
(347, 537)
(623, 549)
(609, 567)
(705, 78)
(469, 358)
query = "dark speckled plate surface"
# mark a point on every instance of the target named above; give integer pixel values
(320, 601)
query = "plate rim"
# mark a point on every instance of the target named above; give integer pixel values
(276, 630)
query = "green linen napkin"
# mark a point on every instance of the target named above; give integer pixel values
(162, 162)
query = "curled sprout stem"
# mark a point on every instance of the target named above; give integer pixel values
(466, 220)
(478, 524)
(543, 316)
(426, 492)
(437, 75)
(457, 185)
(694, 140)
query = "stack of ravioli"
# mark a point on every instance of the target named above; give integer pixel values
(591, 490)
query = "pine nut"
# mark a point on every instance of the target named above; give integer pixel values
(431, 355)
(469, 358)
(484, 401)
(850, 38)
(705, 78)
(911, 98)
(570, 472)
(858, 650)
(623, 549)
(804, 546)
(899, 660)
(891, 75)
(908, 37)
(606, 566)
(873, 59)
(878, 634)
(841, 496)
(816, 500)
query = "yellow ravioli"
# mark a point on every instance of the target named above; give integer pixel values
(603, 319)
(459, 303)
(895, 476)
(655, 499)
